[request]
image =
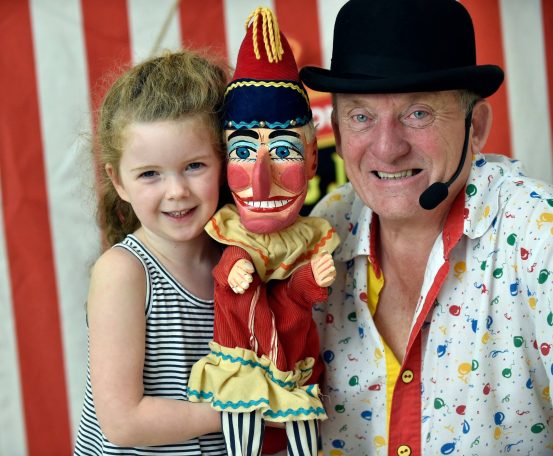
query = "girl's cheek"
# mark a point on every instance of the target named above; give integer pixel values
(238, 177)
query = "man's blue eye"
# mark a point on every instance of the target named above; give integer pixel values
(360, 117)
(242, 152)
(418, 118)
(282, 151)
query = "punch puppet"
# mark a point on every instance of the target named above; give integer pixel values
(264, 362)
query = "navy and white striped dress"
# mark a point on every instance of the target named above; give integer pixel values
(179, 327)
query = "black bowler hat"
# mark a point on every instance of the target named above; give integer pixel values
(398, 46)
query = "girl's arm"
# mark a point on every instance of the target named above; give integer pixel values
(117, 323)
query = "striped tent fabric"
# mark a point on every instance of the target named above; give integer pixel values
(55, 60)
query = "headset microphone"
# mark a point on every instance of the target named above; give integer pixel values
(438, 191)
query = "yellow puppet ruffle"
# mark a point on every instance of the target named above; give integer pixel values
(275, 255)
(237, 380)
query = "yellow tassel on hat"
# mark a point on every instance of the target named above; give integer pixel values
(271, 34)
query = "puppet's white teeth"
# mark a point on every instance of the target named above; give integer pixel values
(267, 204)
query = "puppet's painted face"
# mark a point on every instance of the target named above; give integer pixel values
(268, 171)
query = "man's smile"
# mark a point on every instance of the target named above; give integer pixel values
(397, 175)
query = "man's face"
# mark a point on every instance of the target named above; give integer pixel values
(395, 145)
(268, 171)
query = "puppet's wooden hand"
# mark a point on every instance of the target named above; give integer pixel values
(240, 276)
(323, 269)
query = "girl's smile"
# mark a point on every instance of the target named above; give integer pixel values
(170, 173)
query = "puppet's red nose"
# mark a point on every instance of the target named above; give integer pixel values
(262, 178)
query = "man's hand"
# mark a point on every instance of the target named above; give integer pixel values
(323, 269)
(240, 276)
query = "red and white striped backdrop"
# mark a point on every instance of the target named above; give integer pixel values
(52, 59)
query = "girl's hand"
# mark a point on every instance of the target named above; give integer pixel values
(323, 269)
(240, 276)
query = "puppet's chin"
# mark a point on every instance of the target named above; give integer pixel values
(265, 226)
(268, 222)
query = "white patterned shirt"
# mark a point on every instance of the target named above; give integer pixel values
(477, 372)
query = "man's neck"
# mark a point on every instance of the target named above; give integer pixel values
(403, 252)
(407, 238)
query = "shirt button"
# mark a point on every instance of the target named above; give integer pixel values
(404, 450)
(407, 376)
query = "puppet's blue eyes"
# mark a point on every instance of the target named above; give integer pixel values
(242, 152)
(281, 151)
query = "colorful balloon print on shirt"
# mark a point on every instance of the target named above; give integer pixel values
(488, 335)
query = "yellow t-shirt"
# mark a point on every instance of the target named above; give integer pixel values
(374, 287)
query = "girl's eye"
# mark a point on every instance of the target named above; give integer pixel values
(148, 174)
(195, 165)
(241, 153)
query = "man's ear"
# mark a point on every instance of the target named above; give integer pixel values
(116, 181)
(481, 123)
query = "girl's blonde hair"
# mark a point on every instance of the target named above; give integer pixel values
(170, 87)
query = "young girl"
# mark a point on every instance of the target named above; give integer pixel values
(150, 304)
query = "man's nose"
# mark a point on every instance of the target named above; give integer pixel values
(262, 177)
(388, 142)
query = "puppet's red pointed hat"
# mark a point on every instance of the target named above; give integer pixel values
(266, 91)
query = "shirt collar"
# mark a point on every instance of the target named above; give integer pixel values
(483, 192)
(356, 242)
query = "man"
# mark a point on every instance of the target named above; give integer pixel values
(437, 333)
